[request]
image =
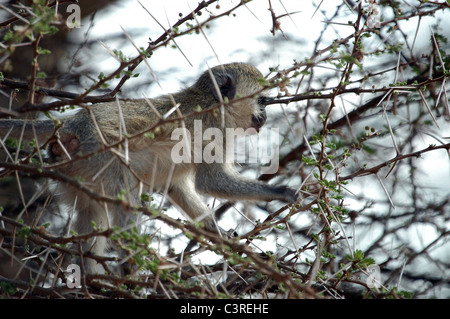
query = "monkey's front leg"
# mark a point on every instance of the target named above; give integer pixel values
(222, 180)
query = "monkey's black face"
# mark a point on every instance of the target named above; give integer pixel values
(260, 120)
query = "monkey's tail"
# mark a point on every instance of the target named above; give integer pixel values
(26, 129)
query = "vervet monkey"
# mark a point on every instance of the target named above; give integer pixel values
(226, 96)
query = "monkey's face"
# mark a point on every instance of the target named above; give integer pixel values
(251, 110)
(239, 87)
(258, 120)
(247, 112)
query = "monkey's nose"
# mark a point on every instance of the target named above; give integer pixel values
(265, 100)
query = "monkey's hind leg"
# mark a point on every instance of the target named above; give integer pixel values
(90, 214)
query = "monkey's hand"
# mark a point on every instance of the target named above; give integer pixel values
(290, 194)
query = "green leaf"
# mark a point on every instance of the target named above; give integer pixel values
(43, 51)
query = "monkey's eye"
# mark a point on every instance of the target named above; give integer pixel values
(264, 100)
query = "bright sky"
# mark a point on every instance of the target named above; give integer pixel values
(232, 37)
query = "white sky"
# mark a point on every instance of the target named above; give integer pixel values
(233, 37)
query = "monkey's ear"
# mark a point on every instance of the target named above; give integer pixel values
(226, 84)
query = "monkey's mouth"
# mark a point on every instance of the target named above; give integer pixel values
(258, 122)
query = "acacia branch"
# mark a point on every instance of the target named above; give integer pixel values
(376, 169)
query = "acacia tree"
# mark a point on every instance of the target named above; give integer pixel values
(356, 121)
